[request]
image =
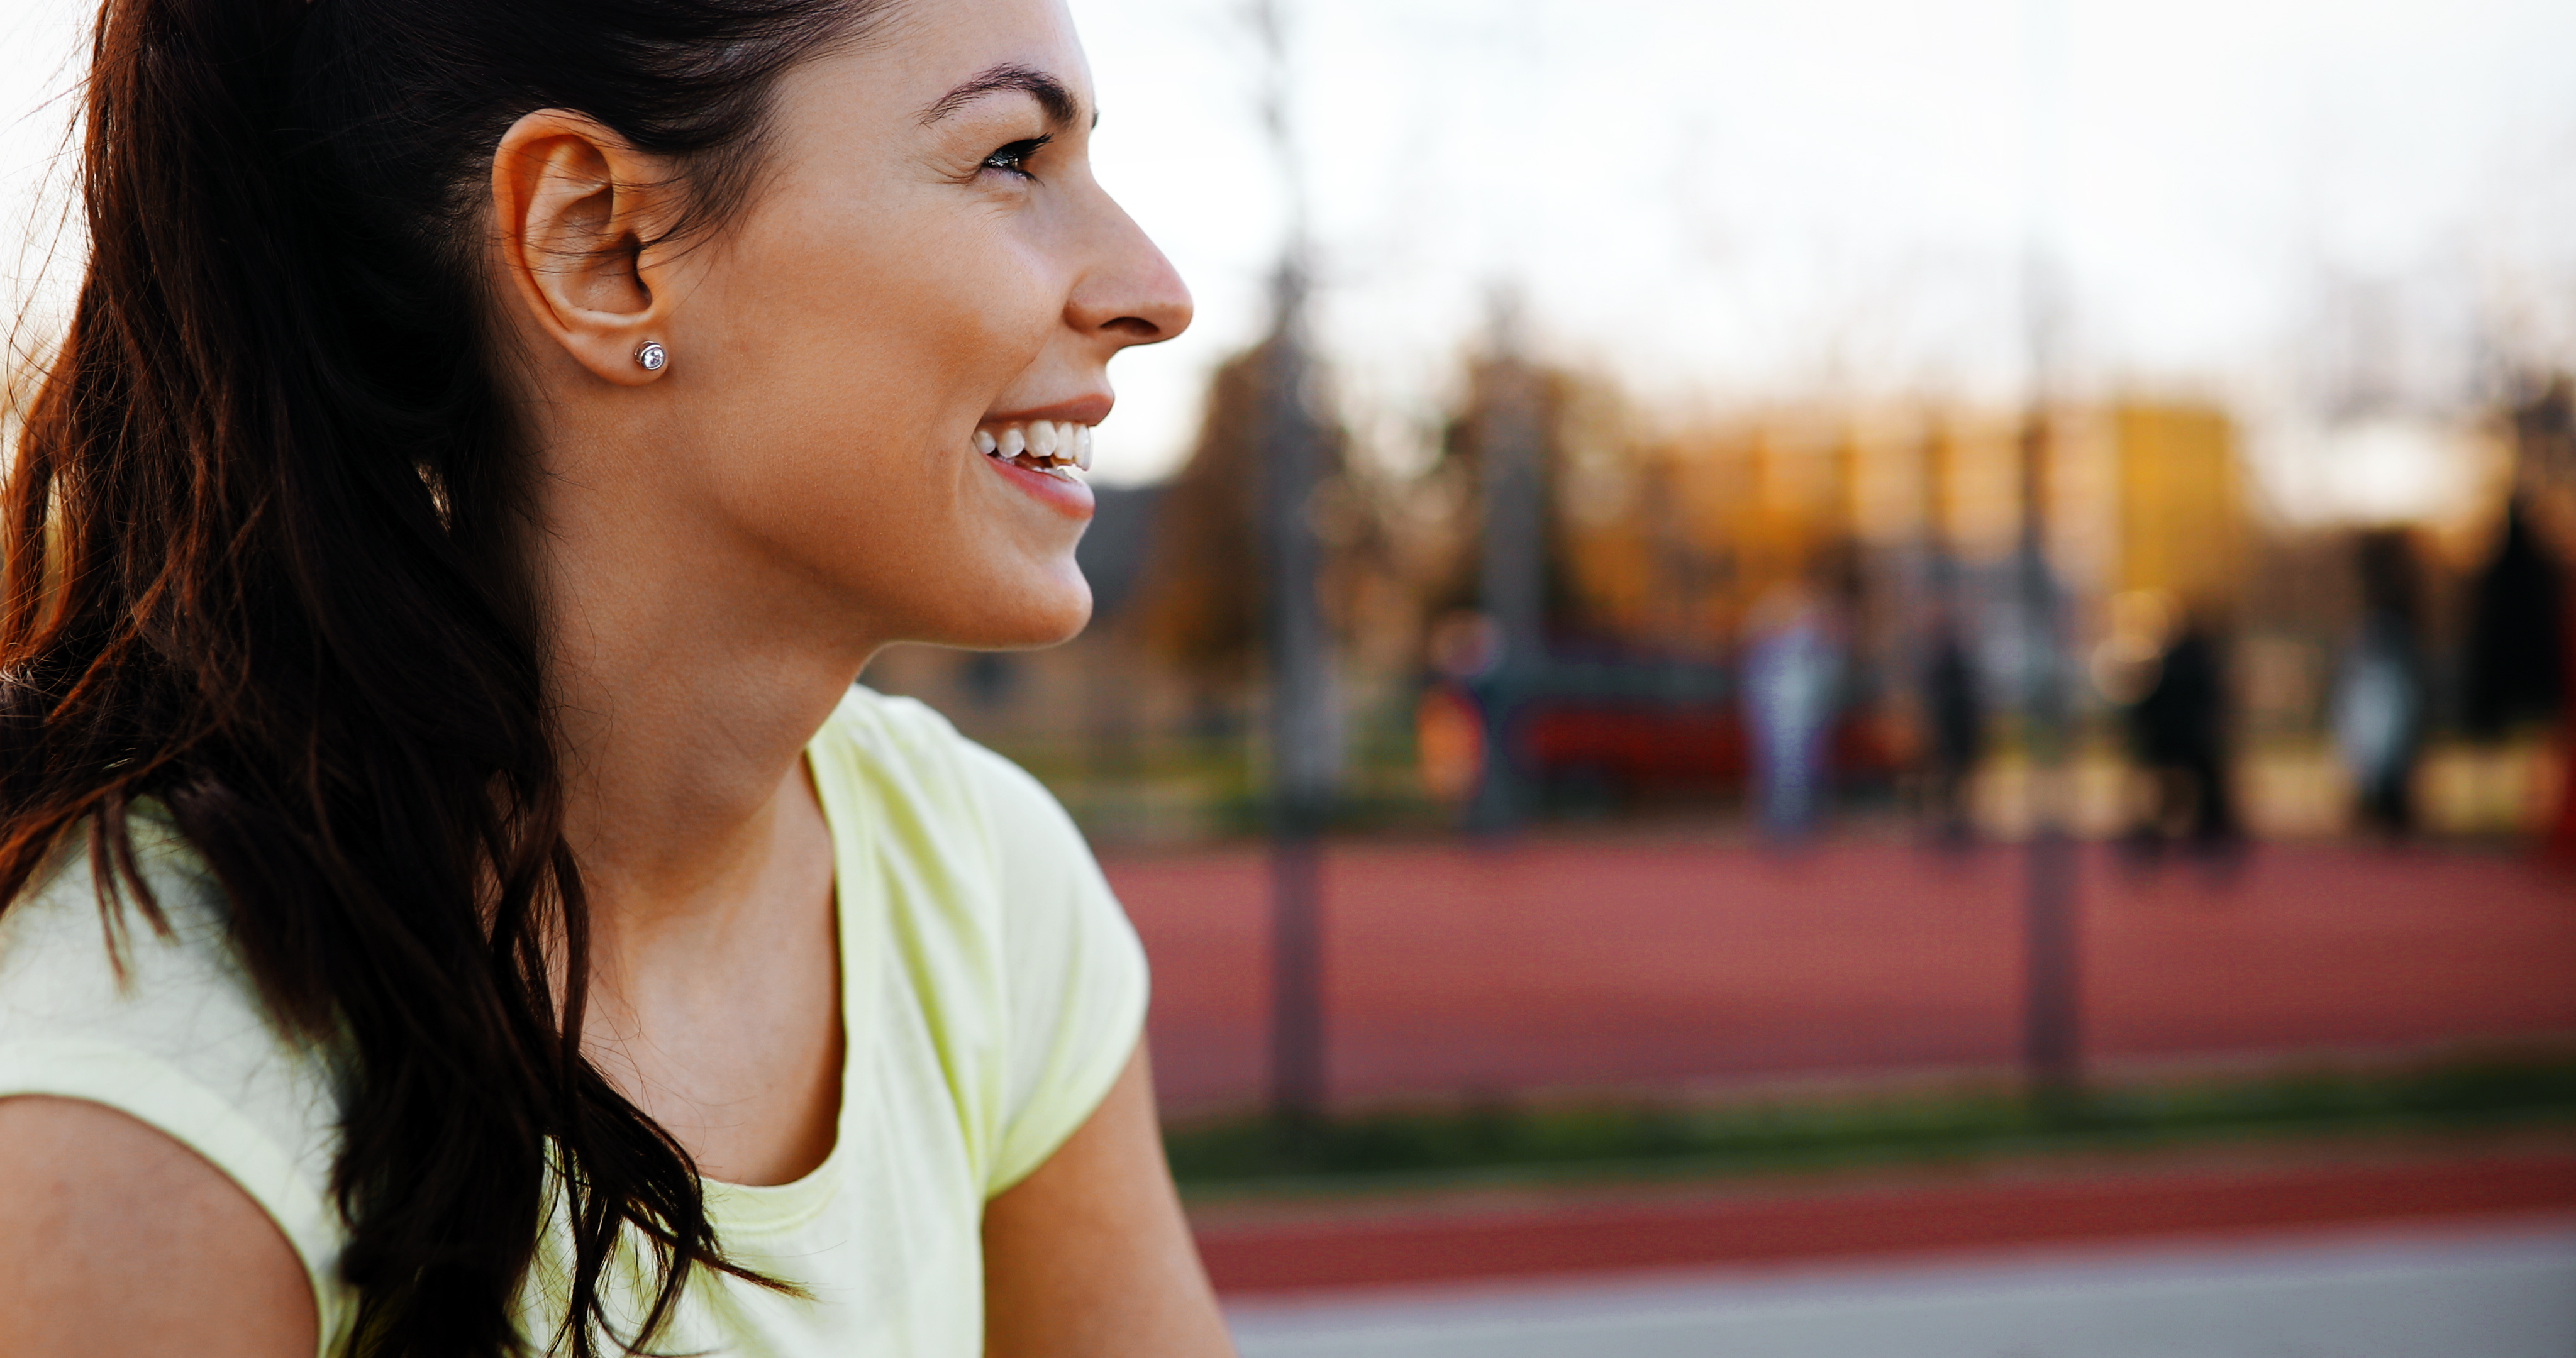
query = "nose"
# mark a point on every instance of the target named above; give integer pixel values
(1130, 294)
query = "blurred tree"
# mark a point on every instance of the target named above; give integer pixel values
(2544, 431)
(1510, 399)
(1200, 601)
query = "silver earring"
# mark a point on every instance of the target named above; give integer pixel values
(651, 358)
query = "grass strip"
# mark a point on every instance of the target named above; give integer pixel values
(1496, 1141)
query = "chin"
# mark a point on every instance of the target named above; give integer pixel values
(1045, 617)
(1067, 624)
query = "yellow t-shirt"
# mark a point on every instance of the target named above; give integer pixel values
(991, 992)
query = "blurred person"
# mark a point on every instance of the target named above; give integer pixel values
(2543, 422)
(1450, 738)
(453, 898)
(1956, 714)
(2178, 730)
(2379, 701)
(1792, 676)
(2514, 661)
(2514, 669)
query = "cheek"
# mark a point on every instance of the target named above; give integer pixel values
(959, 305)
(843, 402)
(911, 336)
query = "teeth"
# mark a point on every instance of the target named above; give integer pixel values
(1038, 444)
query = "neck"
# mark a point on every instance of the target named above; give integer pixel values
(686, 685)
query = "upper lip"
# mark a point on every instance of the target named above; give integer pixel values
(1088, 408)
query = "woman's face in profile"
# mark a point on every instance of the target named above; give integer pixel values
(925, 270)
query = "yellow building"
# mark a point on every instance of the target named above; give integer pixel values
(2141, 496)
(2180, 510)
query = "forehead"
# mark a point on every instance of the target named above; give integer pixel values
(937, 57)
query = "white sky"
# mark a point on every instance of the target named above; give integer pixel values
(1722, 199)
(1719, 199)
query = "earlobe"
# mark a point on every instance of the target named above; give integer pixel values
(573, 206)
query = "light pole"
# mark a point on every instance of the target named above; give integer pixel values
(1302, 739)
(1512, 564)
(1301, 721)
(2052, 1052)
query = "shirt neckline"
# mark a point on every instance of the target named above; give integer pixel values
(735, 1208)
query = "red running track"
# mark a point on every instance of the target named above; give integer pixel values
(1629, 963)
(1255, 1248)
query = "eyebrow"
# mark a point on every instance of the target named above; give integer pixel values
(1062, 108)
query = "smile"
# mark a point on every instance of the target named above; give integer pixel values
(1054, 447)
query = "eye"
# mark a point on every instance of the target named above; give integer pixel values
(1014, 158)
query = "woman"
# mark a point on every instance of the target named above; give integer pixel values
(457, 900)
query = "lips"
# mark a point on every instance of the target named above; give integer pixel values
(1054, 447)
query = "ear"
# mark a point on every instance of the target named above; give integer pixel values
(575, 211)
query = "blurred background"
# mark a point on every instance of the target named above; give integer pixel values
(1842, 678)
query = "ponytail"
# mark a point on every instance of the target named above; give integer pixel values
(259, 559)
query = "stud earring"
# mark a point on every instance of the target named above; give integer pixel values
(651, 357)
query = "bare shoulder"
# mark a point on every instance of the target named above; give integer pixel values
(129, 1243)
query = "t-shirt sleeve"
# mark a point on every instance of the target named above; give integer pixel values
(172, 1034)
(1074, 977)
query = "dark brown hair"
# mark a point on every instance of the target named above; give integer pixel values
(258, 562)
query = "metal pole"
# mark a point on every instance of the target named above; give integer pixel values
(1302, 738)
(2051, 1045)
(1303, 753)
(1296, 980)
(1512, 576)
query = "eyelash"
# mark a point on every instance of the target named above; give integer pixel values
(1014, 158)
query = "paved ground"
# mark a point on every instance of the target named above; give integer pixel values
(2497, 1291)
(1655, 962)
